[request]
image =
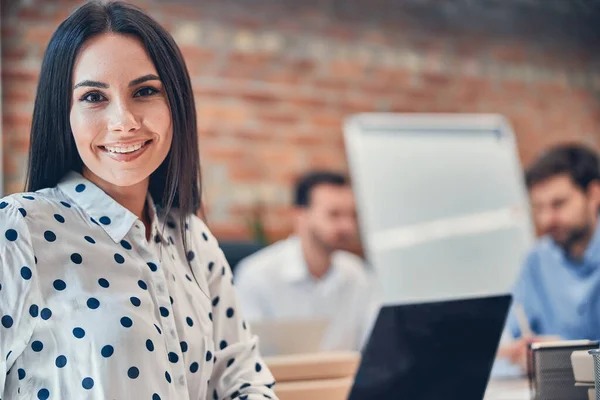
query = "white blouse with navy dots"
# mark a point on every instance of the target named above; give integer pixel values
(89, 309)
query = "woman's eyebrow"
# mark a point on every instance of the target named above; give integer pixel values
(89, 83)
(102, 85)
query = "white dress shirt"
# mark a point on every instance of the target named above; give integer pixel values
(275, 283)
(89, 309)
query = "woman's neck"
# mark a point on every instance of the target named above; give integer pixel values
(132, 197)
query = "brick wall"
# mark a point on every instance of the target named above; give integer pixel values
(273, 81)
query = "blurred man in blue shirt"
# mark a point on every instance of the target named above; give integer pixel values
(558, 288)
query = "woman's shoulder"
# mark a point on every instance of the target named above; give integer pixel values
(35, 206)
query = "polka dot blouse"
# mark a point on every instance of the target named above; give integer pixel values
(89, 309)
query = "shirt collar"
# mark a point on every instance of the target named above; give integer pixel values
(592, 252)
(294, 269)
(115, 219)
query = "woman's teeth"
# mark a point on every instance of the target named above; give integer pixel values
(125, 149)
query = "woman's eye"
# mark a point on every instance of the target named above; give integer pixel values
(93, 97)
(146, 91)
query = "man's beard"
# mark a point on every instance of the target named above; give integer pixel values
(328, 246)
(574, 236)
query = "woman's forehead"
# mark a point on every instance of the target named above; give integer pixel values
(113, 56)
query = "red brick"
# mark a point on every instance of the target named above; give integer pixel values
(273, 116)
(346, 70)
(513, 53)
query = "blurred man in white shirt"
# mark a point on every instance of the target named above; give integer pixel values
(308, 276)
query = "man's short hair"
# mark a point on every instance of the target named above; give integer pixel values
(306, 184)
(579, 162)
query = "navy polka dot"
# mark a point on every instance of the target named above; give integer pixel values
(3, 205)
(194, 367)
(21, 373)
(223, 344)
(173, 357)
(152, 266)
(105, 220)
(135, 301)
(29, 197)
(235, 394)
(230, 312)
(244, 386)
(126, 245)
(59, 285)
(46, 314)
(80, 188)
(34, 310)
(149, 345)
(94, 221)
(76, 258)
(215, 301)
(26, 273)
(215, 395)
(158, 329)
(23, 212)
(79, 333)
(93, 303)
(7, 321)
(103, 282)
(126, 322)
(223, 271)
(168, 376)
(49, 236)
(8, 355)
(188, 277)
(87, 383)
(210, 316)
(43, 394)
(155, 396)
(35, 259)
(107, 351)
(11, 235)
(258, 367)
(171, 300)
(37, 346)
(133, 372)
(157, 239)
(244, 325)
(61, 361)
(211, 266)
(190, 255)
(59, 218)
(204, 236)
(184, 346)
(164, 312)
(64, 203)
(189, 321)
(89, 239)
(230, 362)
(142, 284)
(119, 258)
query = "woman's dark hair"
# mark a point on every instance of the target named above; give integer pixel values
(307, 182)
(52, 153)
(579, 162)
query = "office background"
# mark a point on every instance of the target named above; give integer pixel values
(274, 80)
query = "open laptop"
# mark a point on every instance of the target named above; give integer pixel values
(432, 351)
(297, 336)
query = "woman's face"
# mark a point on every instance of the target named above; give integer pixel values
(120, 114)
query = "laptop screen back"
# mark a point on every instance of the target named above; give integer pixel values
(432, 351)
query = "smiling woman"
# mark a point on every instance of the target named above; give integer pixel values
(106, 282)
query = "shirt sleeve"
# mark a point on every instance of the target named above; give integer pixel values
(524, 294)
(19, 293)
(239, 371)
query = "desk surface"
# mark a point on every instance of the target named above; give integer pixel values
(507, 389)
